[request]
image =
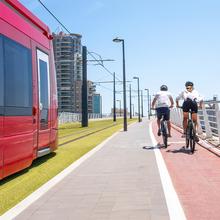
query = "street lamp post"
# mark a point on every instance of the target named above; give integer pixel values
(119, 107)
(130, 102)
(84, 121)
(117, 40)
(114, 102)
(139, 115)
(148, 102)
(142, 104)
(133, 109)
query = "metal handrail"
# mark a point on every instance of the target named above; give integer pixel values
(68, 117)
(208, 121)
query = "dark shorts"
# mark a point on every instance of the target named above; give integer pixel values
(190, 105)
(163, 111)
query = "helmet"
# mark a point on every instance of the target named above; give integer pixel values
(188, 83)
(163, 88)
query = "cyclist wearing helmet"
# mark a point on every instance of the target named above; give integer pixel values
(163, 101)
(190, 97)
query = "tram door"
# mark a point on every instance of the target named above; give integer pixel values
(44, 100)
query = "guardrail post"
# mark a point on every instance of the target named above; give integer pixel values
(180, 117)
(199, 128)
(217, 119)
(208, 130)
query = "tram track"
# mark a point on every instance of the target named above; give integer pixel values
(74, 134)
(83, 136)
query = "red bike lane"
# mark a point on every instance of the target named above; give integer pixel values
(196, 177)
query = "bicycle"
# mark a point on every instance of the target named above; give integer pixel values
(164, 130)
(190, 134)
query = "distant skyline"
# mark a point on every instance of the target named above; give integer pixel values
(166, 42)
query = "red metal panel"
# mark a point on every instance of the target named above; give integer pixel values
(21, 24)
(27, 14)
(12, 33)
(17, 141)
(18, 153)
(17, 125)
(54, 105)
(35, 98)
(19, 136)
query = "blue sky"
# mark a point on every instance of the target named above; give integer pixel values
(166, 41)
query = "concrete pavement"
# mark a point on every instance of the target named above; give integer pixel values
(120, 181)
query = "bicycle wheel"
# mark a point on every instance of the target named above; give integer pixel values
(164, 133)
(188, 134)
(192, 139)
(187, 142)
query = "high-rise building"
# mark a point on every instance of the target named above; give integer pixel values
(68, 61)
(91, 91)
(97, 104)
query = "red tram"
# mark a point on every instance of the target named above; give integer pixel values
(28, 93)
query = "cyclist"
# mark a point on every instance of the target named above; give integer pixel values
(190, 97)
(163, 101)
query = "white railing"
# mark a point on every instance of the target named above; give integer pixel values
(68, 117)
(208, 121)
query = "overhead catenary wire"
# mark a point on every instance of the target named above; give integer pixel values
(105, 87)
(90, 53)
(102, 65)
(54, 16)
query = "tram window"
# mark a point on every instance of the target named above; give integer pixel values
(44, 93)
(44, 84)
(18, 78)
(1, 78)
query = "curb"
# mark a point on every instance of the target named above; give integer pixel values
(202, 143)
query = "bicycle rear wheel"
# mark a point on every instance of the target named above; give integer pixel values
(164, 133)
(165, 141)
(187, 142)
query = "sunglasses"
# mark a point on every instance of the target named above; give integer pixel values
(189, 88)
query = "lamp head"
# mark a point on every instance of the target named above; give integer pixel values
(135, 77)
(117, 40)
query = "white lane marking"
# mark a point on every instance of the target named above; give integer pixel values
(16, 210)
(173, 204)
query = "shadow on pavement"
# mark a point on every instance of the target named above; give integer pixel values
(154, 147)
(180, 150)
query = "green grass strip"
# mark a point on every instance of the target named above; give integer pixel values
(17, 187)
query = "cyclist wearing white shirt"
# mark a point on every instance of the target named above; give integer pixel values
(190, 97)
(163, 101)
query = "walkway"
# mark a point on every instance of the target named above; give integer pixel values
(126, 180)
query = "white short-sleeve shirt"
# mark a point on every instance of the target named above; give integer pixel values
(163, 99)
(193, 95)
